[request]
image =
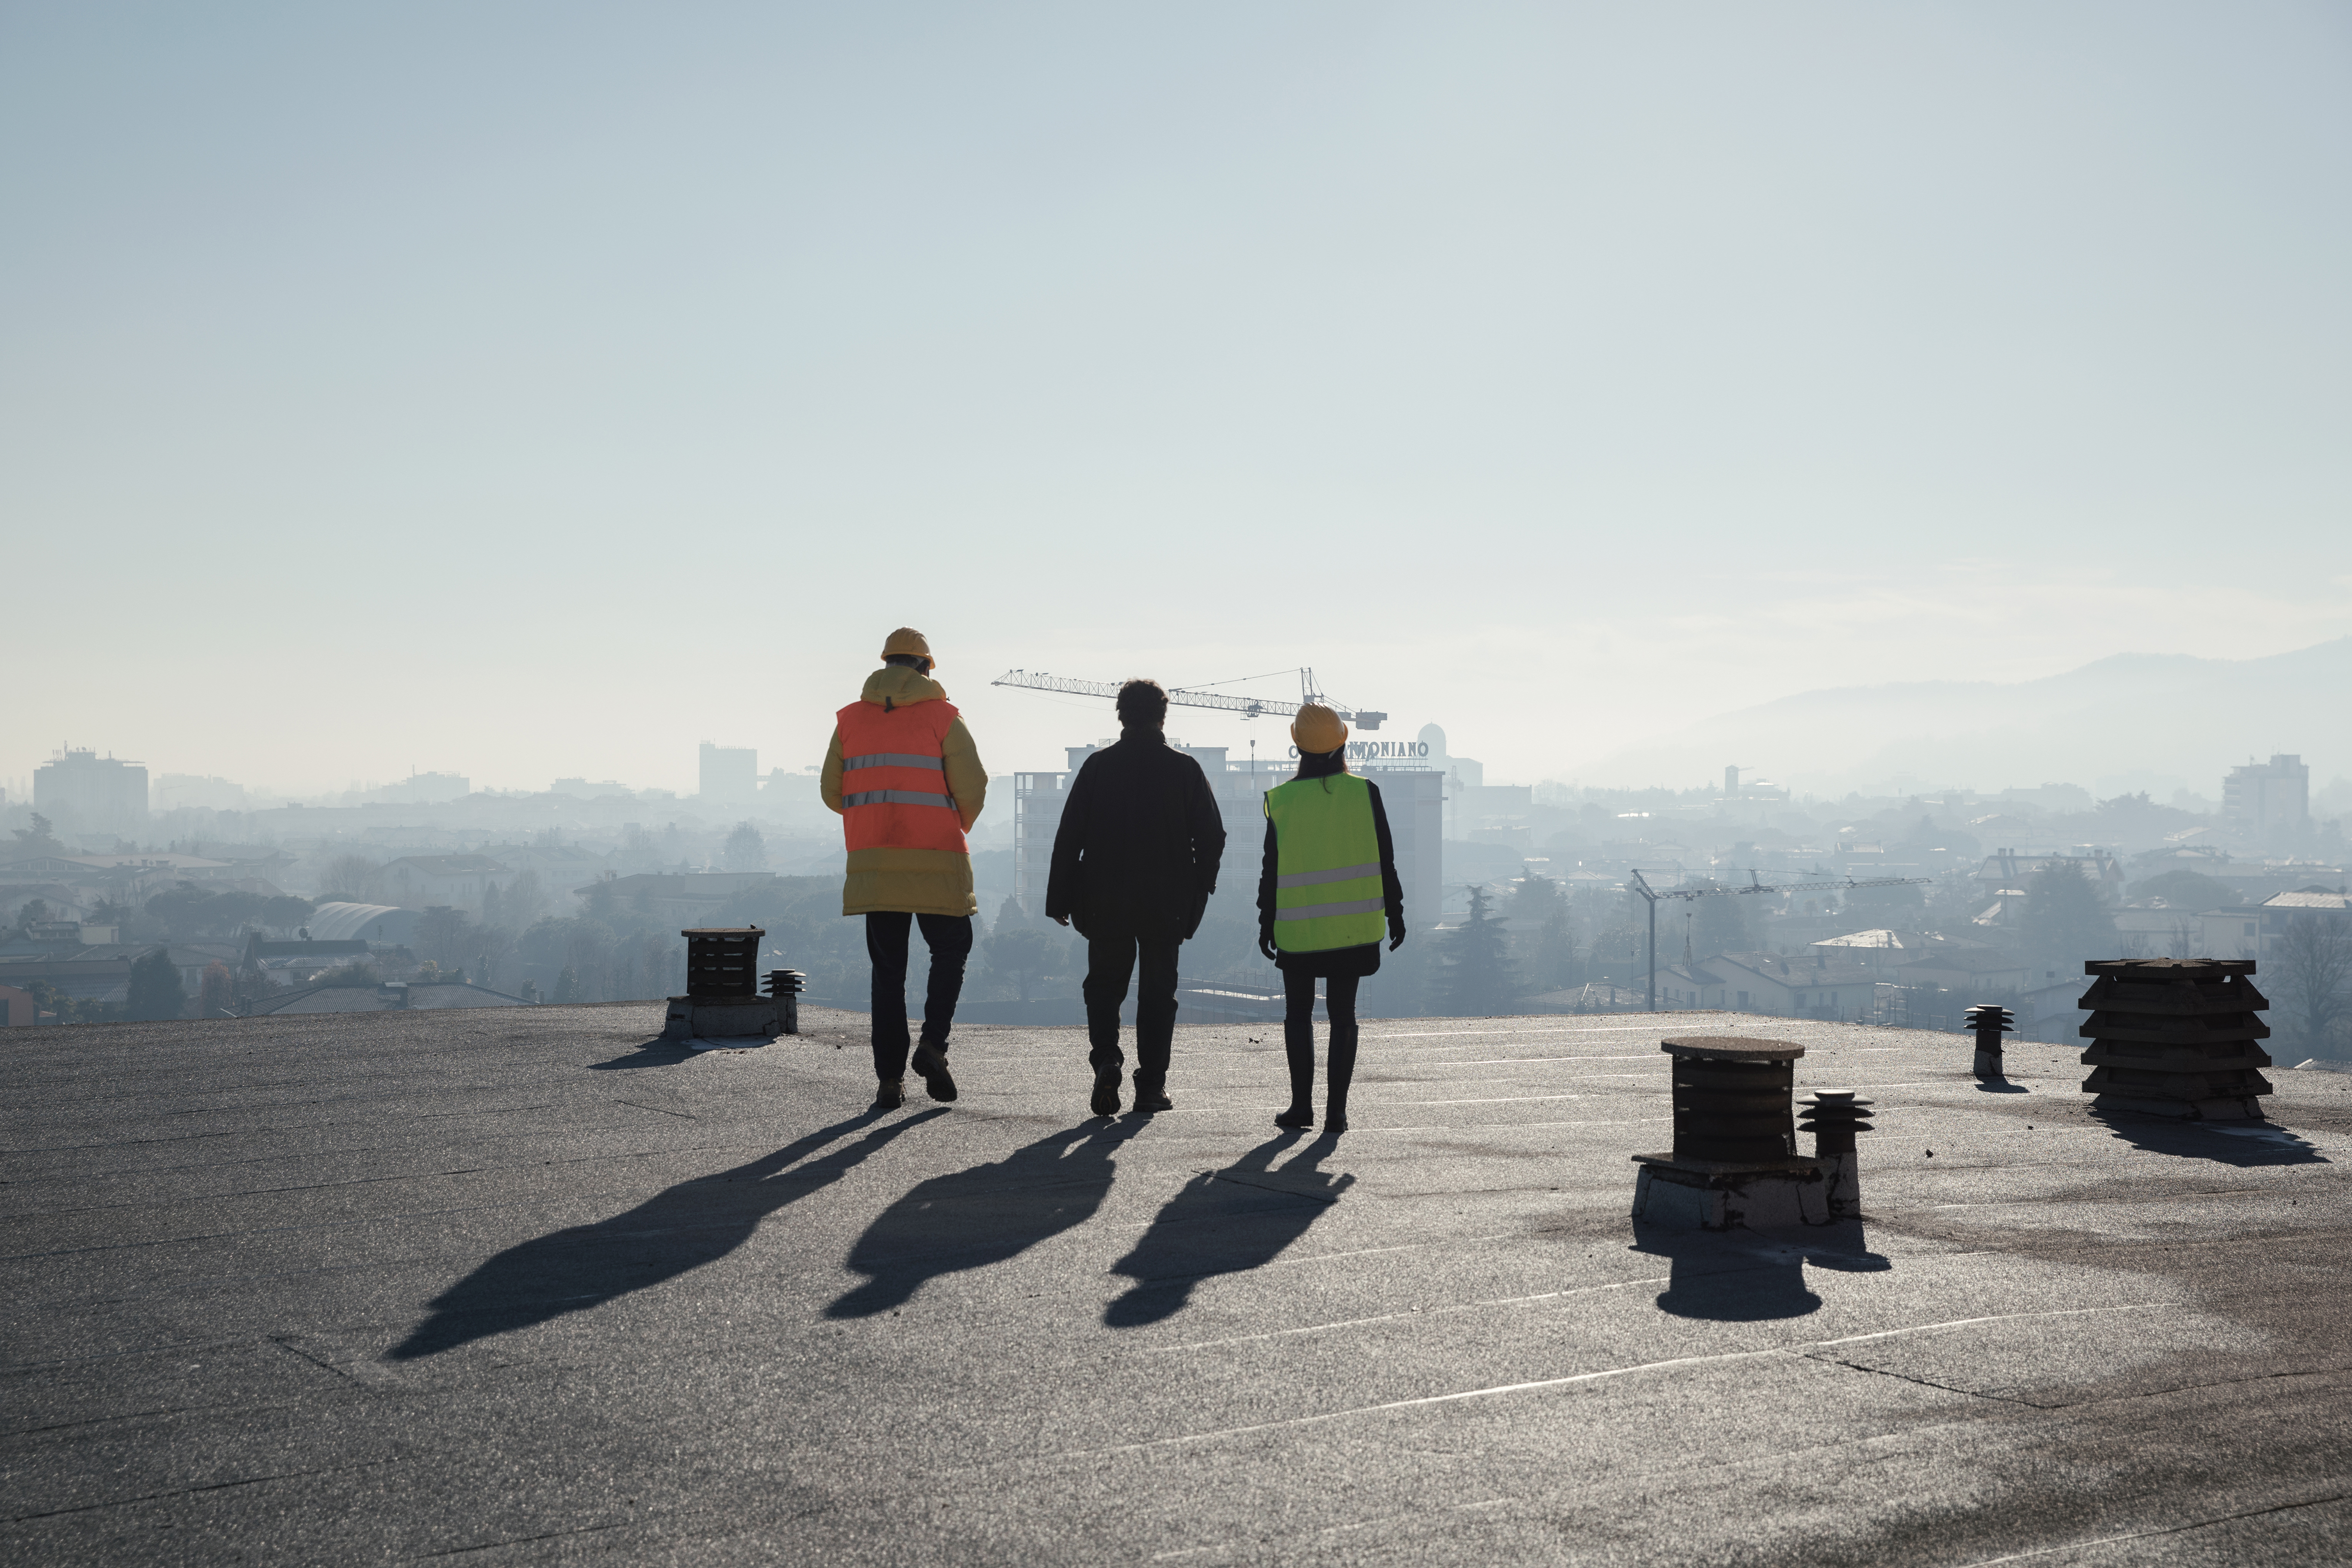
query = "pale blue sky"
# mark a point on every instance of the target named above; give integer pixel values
(460, 385)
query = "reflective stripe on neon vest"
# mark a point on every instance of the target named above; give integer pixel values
(893, 791)
(1328, 890)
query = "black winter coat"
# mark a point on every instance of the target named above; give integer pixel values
(1139, 843)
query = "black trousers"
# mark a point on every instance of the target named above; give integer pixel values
(949, 939)
(1111, 957)
(1299, 1036)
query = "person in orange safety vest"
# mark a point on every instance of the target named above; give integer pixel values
(908, 781)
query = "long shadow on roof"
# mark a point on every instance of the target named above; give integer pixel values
(1744, 1276)
(1224, 1222)
(2249, 1143)
(656, 1052)
(680, 1229)
(973, 1218)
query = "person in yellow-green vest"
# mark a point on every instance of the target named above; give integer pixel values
(1328, 892)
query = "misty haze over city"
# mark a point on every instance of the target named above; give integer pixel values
(1459, 783)
(1786, 445)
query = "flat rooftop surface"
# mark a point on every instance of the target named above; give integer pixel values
(516, 1286)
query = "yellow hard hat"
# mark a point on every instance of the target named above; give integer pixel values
(905, 639)
(1317, 729)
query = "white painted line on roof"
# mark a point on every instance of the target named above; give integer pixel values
(1527, 1062)
(1501, 1099)
(1540, 1384)
(1999, 1318)
(1434, 1033)
(1397, 1317)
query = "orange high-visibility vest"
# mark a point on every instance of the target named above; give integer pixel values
(894, 777)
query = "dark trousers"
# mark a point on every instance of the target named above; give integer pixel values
(1111, 957)
(949, 939)
(1298, 1036)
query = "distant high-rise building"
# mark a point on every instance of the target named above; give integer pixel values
(2261, 796)
(731, 773)
(423, 789)
(82, 792)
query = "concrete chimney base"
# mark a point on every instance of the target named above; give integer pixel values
(1698, 1196)
(737, 1021)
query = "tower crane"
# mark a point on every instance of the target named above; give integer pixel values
(1247, 707)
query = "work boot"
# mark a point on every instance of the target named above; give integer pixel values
(1150, 1098)
(1106, 1100)
(932, 1063)
(1297, 1117)
(891, 1095)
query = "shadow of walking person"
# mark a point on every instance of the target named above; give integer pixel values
(986, 1215)
(676, 1230)
(1224, 1222)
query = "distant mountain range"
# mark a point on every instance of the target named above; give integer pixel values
(2153, 722)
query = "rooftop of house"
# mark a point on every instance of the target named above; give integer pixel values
(1967, 960)
(529, 1285)
(1800, 969)
(1922, 941)
(2309, 899)
(449, 864)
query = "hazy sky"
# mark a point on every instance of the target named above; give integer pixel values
(525, 390)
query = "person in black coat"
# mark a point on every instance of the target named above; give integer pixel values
(1135, 861)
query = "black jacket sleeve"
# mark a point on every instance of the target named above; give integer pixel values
(1266, 879)
(1064, 887)
(1207, 826)
(1391, 886)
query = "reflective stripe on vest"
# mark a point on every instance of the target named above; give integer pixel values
(894, 759)
(893, 793)
(896, 797)
(1328, 887)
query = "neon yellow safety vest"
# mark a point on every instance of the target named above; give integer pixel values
(1327, 882)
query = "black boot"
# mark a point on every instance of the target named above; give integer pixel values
(1300, 1054)
(931, 1062)
(1106, 1100)
(1343, 1073)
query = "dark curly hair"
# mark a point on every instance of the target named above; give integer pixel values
(1142, 703)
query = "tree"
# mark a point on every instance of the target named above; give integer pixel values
(1024, 954)
(1877, 908)
(2065, 921)
(353, 880)
(567, 985)
(2189, 890)
(155, 989)
(285, 913)
(1720, 925)
(36, 840)
(1544, 934)
(215, 991)
(744, 850)
(522, 903)
(443, 933)
(2311, 970)
(1477, 977)
(35, 912)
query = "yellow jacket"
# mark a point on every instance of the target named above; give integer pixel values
(918, 881)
